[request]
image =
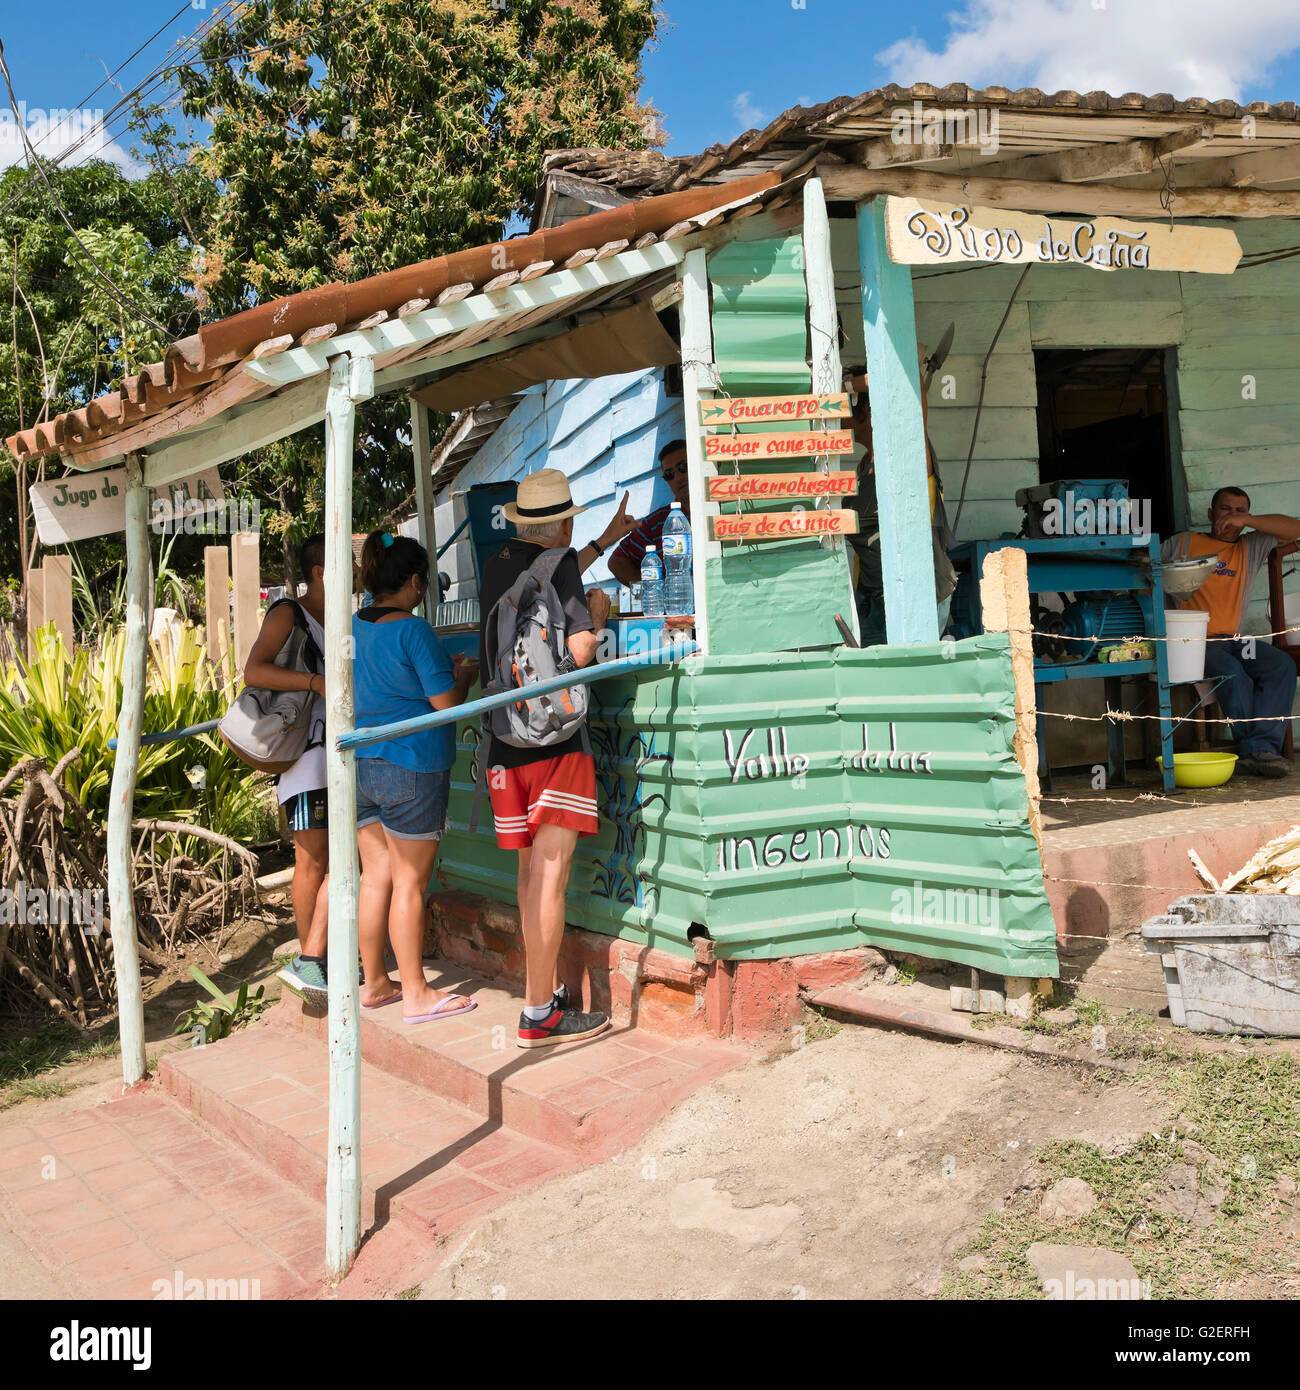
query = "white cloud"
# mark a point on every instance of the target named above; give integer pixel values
(54, 131)
(747, 115)
(1192, 48)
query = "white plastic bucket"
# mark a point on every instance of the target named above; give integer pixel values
(1291, 614)
(1186, 628)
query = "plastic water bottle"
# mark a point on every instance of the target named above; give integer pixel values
(679, 590)
(652, 584)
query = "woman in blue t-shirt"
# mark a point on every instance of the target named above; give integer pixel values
(399, 670)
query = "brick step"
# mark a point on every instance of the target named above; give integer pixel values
(115, 1198)
(593, 1098)
(426, 1163)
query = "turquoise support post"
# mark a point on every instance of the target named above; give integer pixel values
(898, 435)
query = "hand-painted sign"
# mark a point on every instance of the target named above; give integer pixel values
(94, 503)
(741, 410)
(920, 232)
(777, 446)
(775, 487)
(782, 526)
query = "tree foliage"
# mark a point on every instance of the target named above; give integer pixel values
(352, 139)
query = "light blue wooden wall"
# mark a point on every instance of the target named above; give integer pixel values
(604, 435)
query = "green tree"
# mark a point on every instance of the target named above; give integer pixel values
(67, 339)
(349, 139)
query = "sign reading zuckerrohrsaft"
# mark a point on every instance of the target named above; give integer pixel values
(775, 487)
(921, 232)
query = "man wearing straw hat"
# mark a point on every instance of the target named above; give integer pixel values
(544, 799)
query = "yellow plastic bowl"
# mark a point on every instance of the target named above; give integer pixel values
(1201, 769)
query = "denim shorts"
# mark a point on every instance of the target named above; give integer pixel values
(410, 805)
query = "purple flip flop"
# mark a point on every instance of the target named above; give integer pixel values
(392, 999)
(442, 1011)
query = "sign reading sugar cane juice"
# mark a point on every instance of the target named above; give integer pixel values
(777, 446)
(920, 232)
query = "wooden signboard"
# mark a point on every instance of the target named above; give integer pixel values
(748, 410)
(776, 487)
(922, 232)
(94, 503)
(777, 446)
(782, 526)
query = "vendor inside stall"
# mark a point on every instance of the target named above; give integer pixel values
(1258, 681)
(625, 562)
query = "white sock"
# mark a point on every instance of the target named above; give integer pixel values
(536, 1012)
(562, 992)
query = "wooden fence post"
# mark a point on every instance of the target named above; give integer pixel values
(126, 766)
(351, 380)
(245, 566)
(35, 609)
(58, 595)
(216, 602)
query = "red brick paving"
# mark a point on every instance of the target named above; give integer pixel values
(219, 1173)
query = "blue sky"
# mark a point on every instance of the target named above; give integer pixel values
(722, 66)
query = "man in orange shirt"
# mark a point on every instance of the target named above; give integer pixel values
(1261, 680)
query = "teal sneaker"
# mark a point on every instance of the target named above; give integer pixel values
(307, 980)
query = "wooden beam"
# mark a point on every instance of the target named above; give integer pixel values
(885, 153)
(827, 374)
(1085, 163)
(1259, 167)
(422, 454)
(699, 380)
(854, 183)
(898, 436)
(343, 1147)
(126, 768)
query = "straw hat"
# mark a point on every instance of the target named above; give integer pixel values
(543, 496)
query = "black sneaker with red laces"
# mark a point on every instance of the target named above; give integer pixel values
(559, 1026)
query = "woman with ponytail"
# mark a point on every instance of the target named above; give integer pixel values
(400, 670)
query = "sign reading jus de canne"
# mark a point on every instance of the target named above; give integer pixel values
(782, 526)
(742, 410)
(930, 233)
(94, 503)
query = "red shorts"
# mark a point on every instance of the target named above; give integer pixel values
(558, 791)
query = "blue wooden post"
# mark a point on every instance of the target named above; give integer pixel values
(898, 435)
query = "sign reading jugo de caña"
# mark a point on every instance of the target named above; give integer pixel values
(94, 503)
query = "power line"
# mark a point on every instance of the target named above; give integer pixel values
(85, 101)
(34, 162)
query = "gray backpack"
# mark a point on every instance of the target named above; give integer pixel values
(524, 642)
(271, 729)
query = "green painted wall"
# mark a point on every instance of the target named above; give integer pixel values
(775, 595)
(736, 793)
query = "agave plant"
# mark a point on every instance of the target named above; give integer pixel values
(62, 700)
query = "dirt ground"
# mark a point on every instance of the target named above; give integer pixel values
(855, 1167)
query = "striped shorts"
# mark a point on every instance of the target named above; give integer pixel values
(557, 791)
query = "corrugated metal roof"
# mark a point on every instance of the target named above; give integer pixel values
(202, 377)
(1030, 122)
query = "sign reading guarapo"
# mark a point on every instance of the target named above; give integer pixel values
(918, 232)
(746, 410)
(94, 503)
